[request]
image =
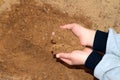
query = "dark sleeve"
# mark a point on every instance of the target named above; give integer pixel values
(93, 59)
(100, 41)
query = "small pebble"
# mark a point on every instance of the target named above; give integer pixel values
(53, 33)
(53, 42)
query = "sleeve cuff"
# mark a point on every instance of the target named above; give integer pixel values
(100, 41)
(93, 59)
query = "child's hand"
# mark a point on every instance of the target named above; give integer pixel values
(85, 35)
(76, 57)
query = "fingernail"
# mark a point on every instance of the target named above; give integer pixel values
(57, 56)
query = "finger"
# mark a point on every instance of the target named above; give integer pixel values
(68, 26)
(63, 55)
(68, 61)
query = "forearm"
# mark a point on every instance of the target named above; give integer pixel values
(110, 62)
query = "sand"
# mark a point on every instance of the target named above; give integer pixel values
(30, 36)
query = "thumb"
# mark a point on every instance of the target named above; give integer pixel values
(68, 26)
(63, 55)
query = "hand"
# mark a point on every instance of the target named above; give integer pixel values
(76, 57)
(85, 35)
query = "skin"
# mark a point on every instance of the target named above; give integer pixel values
(86, 36)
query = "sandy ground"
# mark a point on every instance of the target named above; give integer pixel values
(27, 46)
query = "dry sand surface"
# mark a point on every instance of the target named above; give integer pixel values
(27, 46)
